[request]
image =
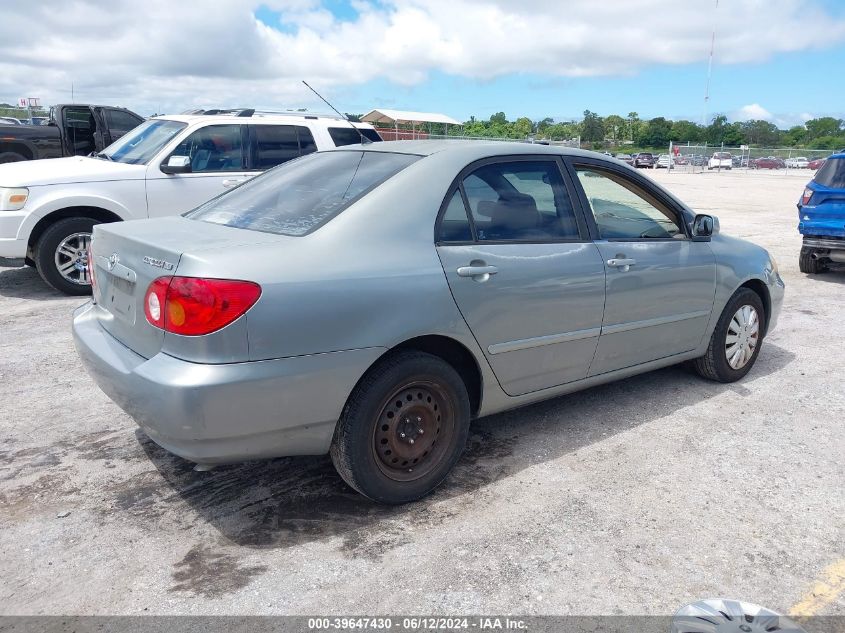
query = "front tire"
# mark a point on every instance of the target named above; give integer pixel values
(61, 255)
(403, 428)
(736, 341)
(808, 264)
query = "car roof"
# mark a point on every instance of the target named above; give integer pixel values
(299, 119)
(471, 149)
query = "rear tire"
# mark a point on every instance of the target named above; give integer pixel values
(716, 362)
(11, 157)
(403, 428)
(807, 264)
(57, 247)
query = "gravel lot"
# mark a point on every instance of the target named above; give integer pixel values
(632, 498)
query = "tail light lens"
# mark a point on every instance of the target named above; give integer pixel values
(91, 272)
(193, 306)
(805, 199)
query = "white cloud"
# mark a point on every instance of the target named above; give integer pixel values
(164, 55)
(753, 111)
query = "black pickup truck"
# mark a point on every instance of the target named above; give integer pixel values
(73, 130)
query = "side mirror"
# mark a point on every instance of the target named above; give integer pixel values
(177, 165)
(704, 227)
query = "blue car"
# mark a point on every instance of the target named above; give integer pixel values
(821, 217)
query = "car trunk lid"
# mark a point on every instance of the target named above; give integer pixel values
(129, 256)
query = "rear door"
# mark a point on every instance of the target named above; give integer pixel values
(218, 155)
(660, 284)
(523, 271)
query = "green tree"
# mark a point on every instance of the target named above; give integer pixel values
(521, 128)
(761, 133)
(686, 131)
(795, 136)
(616, 127)
(592, 129)
(825, 126)
(655, 133)
(541, 126)
(499, 119)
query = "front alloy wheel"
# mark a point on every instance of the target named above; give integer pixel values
(61, 255)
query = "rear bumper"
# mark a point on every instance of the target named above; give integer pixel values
(817, 241)
(224, 413)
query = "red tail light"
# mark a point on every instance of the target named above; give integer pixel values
(193, 306)
(805, 199)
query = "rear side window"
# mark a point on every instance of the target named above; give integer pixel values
(277, 144)
(120, 122)
(349, 136)
(832, 174)
(301, 196)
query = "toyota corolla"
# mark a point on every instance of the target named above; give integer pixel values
(369, 301)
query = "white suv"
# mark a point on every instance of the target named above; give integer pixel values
(720, 160)
(165, 166)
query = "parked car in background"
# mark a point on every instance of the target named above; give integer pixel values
(643, 159)
(7, 120)
(798, 162)
(663, 162)
(769, 162)
(821, 217)
(73, 130)
(816, 163)
(256, 325)
(720, 160)
(165, 166)
(625, 158)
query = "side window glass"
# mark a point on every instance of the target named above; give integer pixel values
(306, 140)
(454, 225)
(274, 145)
(623, 210)
(520, 201)
(213, 148)
(120, 122)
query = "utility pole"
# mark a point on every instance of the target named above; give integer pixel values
(709, 68)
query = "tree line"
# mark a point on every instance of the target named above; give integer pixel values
(615, 130)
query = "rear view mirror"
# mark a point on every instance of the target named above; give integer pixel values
(177, 165)
(704, 227)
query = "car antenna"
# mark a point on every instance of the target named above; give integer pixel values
(364, 139)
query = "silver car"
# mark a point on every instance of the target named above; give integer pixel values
(369, 301)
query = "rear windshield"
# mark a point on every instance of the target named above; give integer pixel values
(303, 194)
(721, 155)
(348, 136)
(832, 173)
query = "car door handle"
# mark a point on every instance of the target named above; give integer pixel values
(232, 182)
(481, 272)
(621, 262)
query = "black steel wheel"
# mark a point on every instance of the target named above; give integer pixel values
(403, 429)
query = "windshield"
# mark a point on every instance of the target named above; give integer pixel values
(832, 174)
(721, 155)
(300, 196)
(141, 144)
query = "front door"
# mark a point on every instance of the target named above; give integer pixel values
(525, 276)
(218, 163)
(660, 284)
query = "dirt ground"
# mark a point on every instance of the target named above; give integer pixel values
(632, 498)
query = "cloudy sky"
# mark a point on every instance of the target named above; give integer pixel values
(775, 59)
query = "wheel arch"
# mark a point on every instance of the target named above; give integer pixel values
(451, 351)
(18, 147)
(95, 213)
(761, 289)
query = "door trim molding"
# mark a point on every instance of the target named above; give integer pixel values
(540, 341)
(635, 325)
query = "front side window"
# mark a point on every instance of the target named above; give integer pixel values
(142, 143)
(120, 122)
(213, 148)
(623, 210)
(302, 195)
(520, 201)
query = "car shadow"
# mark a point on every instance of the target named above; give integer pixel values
(26, 283)
(834, 275)
(289, 501)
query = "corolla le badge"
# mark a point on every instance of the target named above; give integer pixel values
(157, 263)
(113, 261)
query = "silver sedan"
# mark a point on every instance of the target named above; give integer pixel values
(370, 301)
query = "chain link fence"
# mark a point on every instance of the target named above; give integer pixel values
(24, 115)
(701, 158)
